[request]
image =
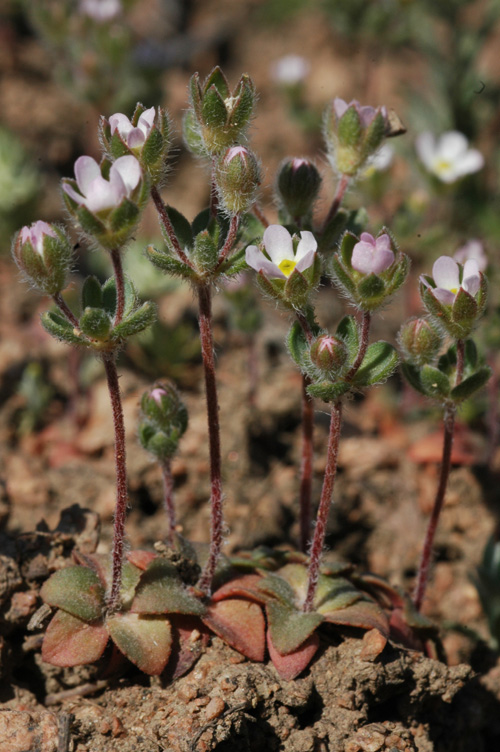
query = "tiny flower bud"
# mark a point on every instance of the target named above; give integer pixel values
(328, 353)
(237, 177)
(420, 341)
(297, 186)
(163, 422)
(43, 252)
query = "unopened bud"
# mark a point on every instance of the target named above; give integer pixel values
(420, 341)
(237, 177)
(43, 252)
(328, 353)
(298, 185)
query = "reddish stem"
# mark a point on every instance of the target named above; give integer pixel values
(167, 226)
(229, 241)
(306, 466)
(214, 199)
(168, 495)
(216, 520)
(449, 428)
(363, 345)
(121, 480)
(337, 200)
(120, 284)
(324, 504)
(65, 309)
(260, 215)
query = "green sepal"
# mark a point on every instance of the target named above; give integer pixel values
(117, 147)
(152, 154)
(157, 442)
(289, 628)
(192, 136)
(348, 332)
(137, 321)
(341, 276)
(374, 134)
(123, 219)
(213, 109)
(400, 273)
(471, 384)
(380, 361)
(370, 288)
(298, 345)
(217, 78)
(91, 293)
(482, 295)
(434, 382)
(297, 289)
(60, 328)
(89, 223)
(349, 128)
(77, 591)
(244, 104)
(95, 324)
(272, 287)
(195, 93)
(169, 264)
(327, 391)
(182, 228)
(346, 248)
(205, 252)
(464, 309)
(441, 313)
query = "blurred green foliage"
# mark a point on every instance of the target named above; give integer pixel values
(19, 186)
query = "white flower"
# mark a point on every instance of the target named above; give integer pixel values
(134, 137)
(446, 276)
(290, 70)
(473, 249)
(372, 255)
(35, 234)
(97, 193)
(448, 157)
(381, 160)
(100, 10)
(279, 260)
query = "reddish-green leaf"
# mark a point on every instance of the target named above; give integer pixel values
(189, 638)
(363, 614)
(290, 628)
(141, 559)
(76, 590)
(145, 640)
(161, 591)
(245, 586)
(70, 641)
(291, 665)
(334, 593)
(241, 624)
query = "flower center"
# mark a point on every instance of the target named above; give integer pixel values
(287, 266)
(442, 165)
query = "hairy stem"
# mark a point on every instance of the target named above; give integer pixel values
(229, 241)
(449, 428)
(260, 215)
(306, 465)
(363, 345)
(337, 200)
(168, 495)
(109, 360)
(120, 284)
(324, 504)
(214, 198)
(167, 226)
(207, 351)
(65, 309)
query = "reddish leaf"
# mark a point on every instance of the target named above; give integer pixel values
(145, 640)
(290, 628)
(291, 665)
(69, 641)
(241, 624)
(245, 586)
(141, 559)
(98, 563)
(189, 638)
(363, 614)
(402, 633)
(76, 590)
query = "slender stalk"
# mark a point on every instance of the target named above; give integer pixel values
(214, 199)
(363, 346)
(120, 284)
(337, 200)
(306, 465)
(260, 215)
(168, 496)
(324, 504)
(121, 480)
(229, 241)
(65, 309)
(449, 428)
(207, 351)
(167, 226)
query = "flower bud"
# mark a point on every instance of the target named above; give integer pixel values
(328, 353)
(43, 252)
(163, 421)
(420, 341)
(297, 186)
(237, 177)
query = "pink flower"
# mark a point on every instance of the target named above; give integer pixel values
(157, 393)
(366, 113)
(97, 193)
(278, 259)
(133, 136)
(446, 277)
(35, 234)
(473, 249)
(372, 256)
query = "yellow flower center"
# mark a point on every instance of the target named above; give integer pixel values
(442, 166)
(287, 266)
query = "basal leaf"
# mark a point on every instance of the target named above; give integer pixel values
(241, 624)
(69, 641)
(363, 614)
(288, 627)
(76, 590)
(145, 640)
(161, 591)
(291, 665)
(245, 586)
(189, 638)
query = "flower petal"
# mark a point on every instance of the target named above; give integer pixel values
(128, 169)
(471, 161)
(383, 243)
(86, 171)
(278, 243)
(121, 123)
(471, 280)
(445, 296)
(363, 257)
(146, 120)
(68, 188)
(383, 258)
(339, 106)
(136, 138)
(101, 195)
(367, 114)
(306, 244)
(452, 145)
(445, 273)
(256, 259)
(306, 261)
(425, 146)
(366, 237)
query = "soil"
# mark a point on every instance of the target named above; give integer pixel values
(58, 492)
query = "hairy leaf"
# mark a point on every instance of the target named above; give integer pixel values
(145, 640)
(241, 624)
(69, 641)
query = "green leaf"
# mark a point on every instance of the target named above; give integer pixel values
(213, 109)
(471, 384)
(329, 392)
(68, 641)
(276, 587)
(334, 593)
(182, 227)
(91, 293)
(137, 321)
(348, 332)
(470, 355)
(205, 252)
(290, 628)
(161, 591)
(60, 328)
(76, 590)
(363, 614)
(109, 296)
(130, 296)
(201, 222)
(95, 324)
(145, 640)
(434, 382)
(297, 344)
(412, 375)
(378, 364)
(217, 78)
(169, 264)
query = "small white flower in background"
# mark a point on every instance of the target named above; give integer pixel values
(372, 255)
(290, 70)
(100, 10)
(381, 160)
(446, 276)
(473, 249)
(448, 157)
(35, 234)
(97, 193)
(278, 259)
(134, 137)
